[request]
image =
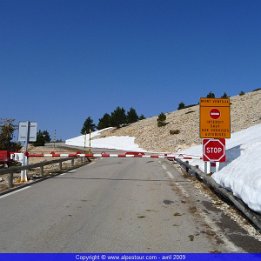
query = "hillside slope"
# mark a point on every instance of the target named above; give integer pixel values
(245, 112)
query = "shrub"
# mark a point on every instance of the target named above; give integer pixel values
(173, 132)
(241, 93)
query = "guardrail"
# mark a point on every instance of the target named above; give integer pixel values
(40, 165)
(254, 217)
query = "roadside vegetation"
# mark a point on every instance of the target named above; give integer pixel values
(117, 118)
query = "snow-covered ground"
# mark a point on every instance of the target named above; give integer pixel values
(241, 173)
(115, 142)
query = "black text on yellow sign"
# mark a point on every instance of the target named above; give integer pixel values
(215, 118)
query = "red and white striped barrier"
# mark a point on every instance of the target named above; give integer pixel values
(101, 155)
(111, 155)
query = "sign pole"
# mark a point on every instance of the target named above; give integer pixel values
(54, 140)
(25, 159)
(27, 132)
(84, 145)
(217, 166)
(207, 167)
(90, 142)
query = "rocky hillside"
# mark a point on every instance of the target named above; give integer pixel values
(245, 112)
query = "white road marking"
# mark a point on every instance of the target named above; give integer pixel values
(164, 167)
(91, 163)
(170, 175)
(183, 191)
(14, 192)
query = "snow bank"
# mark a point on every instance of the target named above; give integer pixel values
(114, 142)
(241, 174)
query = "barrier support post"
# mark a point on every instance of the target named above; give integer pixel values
(217, 166)
(10, 180)
(24, 172)
(42, 170)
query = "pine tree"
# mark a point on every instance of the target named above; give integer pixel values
(88, 126)
(132, 116)
(181, 106)
(161, 120)
(142, 117)
(211, 95)
(46, 135)
(40, 139)
(104, 122)
(224, 96)
(118, 117)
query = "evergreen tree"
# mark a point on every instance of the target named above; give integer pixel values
(211, 95)
(224, 96)
(161, 120)
(242, 93)
(88, 126)
(142, 117)
(118, 117)
(46, 135)
(40, 139)
(181, 106)
(104, 122)
(132, 116)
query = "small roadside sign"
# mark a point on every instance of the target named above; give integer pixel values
(27, 131)
(215, 118)
(214, 150)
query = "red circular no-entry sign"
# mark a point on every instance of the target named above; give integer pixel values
(215, 114)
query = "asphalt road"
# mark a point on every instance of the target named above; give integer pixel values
(118, 205)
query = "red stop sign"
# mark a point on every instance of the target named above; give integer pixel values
(214, 150)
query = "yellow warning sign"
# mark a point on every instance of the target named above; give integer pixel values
(215, 118)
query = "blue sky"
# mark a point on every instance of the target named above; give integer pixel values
(63, 60)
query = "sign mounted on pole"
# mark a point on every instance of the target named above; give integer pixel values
(27, 131)
(215, 118)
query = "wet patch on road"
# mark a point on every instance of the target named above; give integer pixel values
(151, 210)
(168, 202)
(191, 237)
(238, 235)
(177, 214)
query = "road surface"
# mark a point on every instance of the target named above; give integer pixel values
(118, 205)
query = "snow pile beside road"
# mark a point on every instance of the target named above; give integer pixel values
(115, 142)
(241, 173)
